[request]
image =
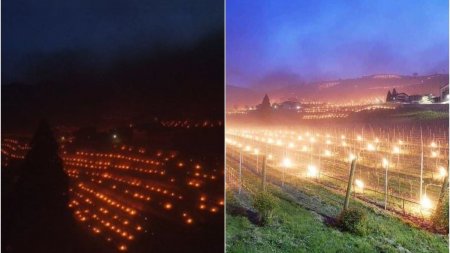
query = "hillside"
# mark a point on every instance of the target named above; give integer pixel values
(361, 89)
(67, 89)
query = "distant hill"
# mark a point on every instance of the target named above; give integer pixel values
(367, 88)
(67, 89)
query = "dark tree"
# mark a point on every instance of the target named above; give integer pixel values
(39, 219)
(265, 105)
(394, 93)
(389, 97)
(264, 110)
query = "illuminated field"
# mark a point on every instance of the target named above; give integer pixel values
(119, 196)
(13, 149)
(323, 155)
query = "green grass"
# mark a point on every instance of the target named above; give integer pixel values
(298, 229)
(295, 229)
(423, 115)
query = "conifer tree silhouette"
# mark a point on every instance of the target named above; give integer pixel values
(389, 96)
(394, 92)
(40, 218)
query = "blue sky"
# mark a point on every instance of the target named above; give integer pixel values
(302, 41)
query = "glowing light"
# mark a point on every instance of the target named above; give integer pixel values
(291, 145)
(359, 184)
(270, 157)
(168, 206)
(442, 172)
(396, 150)
(256, 151)
(434, 153)
(351, 157)
(370, 147)
(426, 202)
(327, 153)
(359, 138)
(312, 171)
(287, 162)
(433, 144)
(385, 162)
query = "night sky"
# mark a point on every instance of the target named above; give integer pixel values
(103, 27)
(302, 41)
(104, 62)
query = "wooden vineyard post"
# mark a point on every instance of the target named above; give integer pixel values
(386, 188)
(263, 174)
(350, 183)
(421, 164)
(403, 205)
(257, 170)
(240, 171)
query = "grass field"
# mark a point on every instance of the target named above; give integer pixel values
(424, 115)
(302, 224)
